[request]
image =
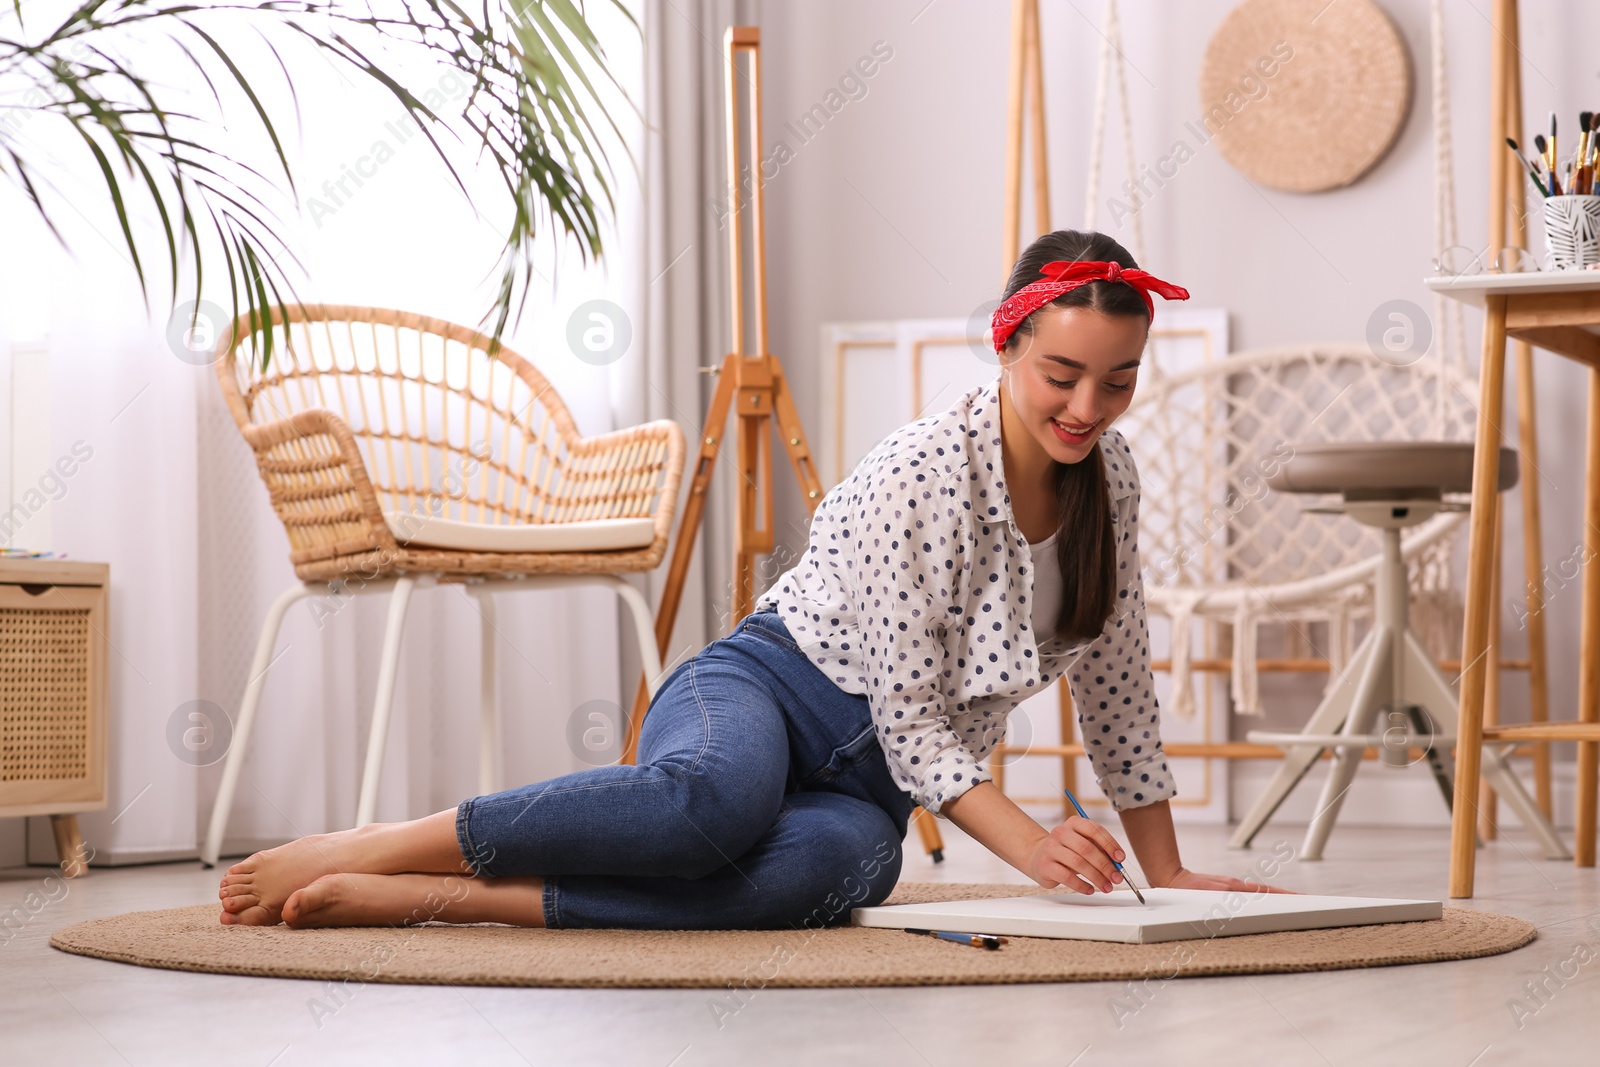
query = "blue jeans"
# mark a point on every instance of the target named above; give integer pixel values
(761, 800)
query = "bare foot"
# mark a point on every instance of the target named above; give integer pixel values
(254, 889)
(403, 899)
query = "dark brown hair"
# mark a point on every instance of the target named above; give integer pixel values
(1086, 547)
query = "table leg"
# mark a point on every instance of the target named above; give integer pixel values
(1475, 641)
(1589, 636)
(1488, 806)
(1533, 568)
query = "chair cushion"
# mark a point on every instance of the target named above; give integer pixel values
(589, 535)
(1385, 469)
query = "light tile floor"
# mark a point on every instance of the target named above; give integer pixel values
(61, 1009)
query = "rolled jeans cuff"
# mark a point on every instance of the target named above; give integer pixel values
(480, 860)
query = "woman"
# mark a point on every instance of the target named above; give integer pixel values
(778, 768)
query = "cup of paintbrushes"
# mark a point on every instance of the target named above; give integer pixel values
(1572, 231)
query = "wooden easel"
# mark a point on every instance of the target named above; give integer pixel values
(763, 394)
(1507, 187)
(1026, 93)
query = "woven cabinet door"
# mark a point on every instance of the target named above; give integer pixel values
(52, 699)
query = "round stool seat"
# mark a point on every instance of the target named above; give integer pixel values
(1386, 470)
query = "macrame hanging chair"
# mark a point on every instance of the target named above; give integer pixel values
(1216, 545)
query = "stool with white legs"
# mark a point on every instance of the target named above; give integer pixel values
(1391, 694)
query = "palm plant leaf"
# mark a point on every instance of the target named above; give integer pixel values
(527, 62)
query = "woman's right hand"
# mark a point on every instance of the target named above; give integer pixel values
(1077, 854)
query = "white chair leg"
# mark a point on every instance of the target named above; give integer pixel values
(1377, 678)
(247, 718)
(488, 699)
(644, 626)
(367, 804)
(1334, 709)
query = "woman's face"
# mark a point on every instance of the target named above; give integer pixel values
(1073, 376)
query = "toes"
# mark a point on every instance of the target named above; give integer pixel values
(256, 916)
(303, 903)
(229, 918)
(229, 894)
(240, 903)
(251, 862)
(310, 903)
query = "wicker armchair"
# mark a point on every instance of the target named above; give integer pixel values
(398, 453)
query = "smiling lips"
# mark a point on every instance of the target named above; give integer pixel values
(1074, 435)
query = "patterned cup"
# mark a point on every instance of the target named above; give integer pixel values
(1572, 231)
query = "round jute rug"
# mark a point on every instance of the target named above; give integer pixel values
(191, 939)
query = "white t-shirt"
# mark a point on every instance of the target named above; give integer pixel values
(1046, 584)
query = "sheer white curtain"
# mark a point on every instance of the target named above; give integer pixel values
(172, 501)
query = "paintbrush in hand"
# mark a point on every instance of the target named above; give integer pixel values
(1084, 815)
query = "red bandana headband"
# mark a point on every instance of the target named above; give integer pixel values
(1063, 276)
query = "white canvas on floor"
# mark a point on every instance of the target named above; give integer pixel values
(1169, 915)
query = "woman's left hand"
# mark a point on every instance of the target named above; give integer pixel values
(1187, 879)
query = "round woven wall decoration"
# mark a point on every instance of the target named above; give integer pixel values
(1305, 95)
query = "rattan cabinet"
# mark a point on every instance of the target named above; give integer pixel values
(53, 695)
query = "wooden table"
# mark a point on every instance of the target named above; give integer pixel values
(1558, 311)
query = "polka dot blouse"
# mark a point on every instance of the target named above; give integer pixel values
(915, 590)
